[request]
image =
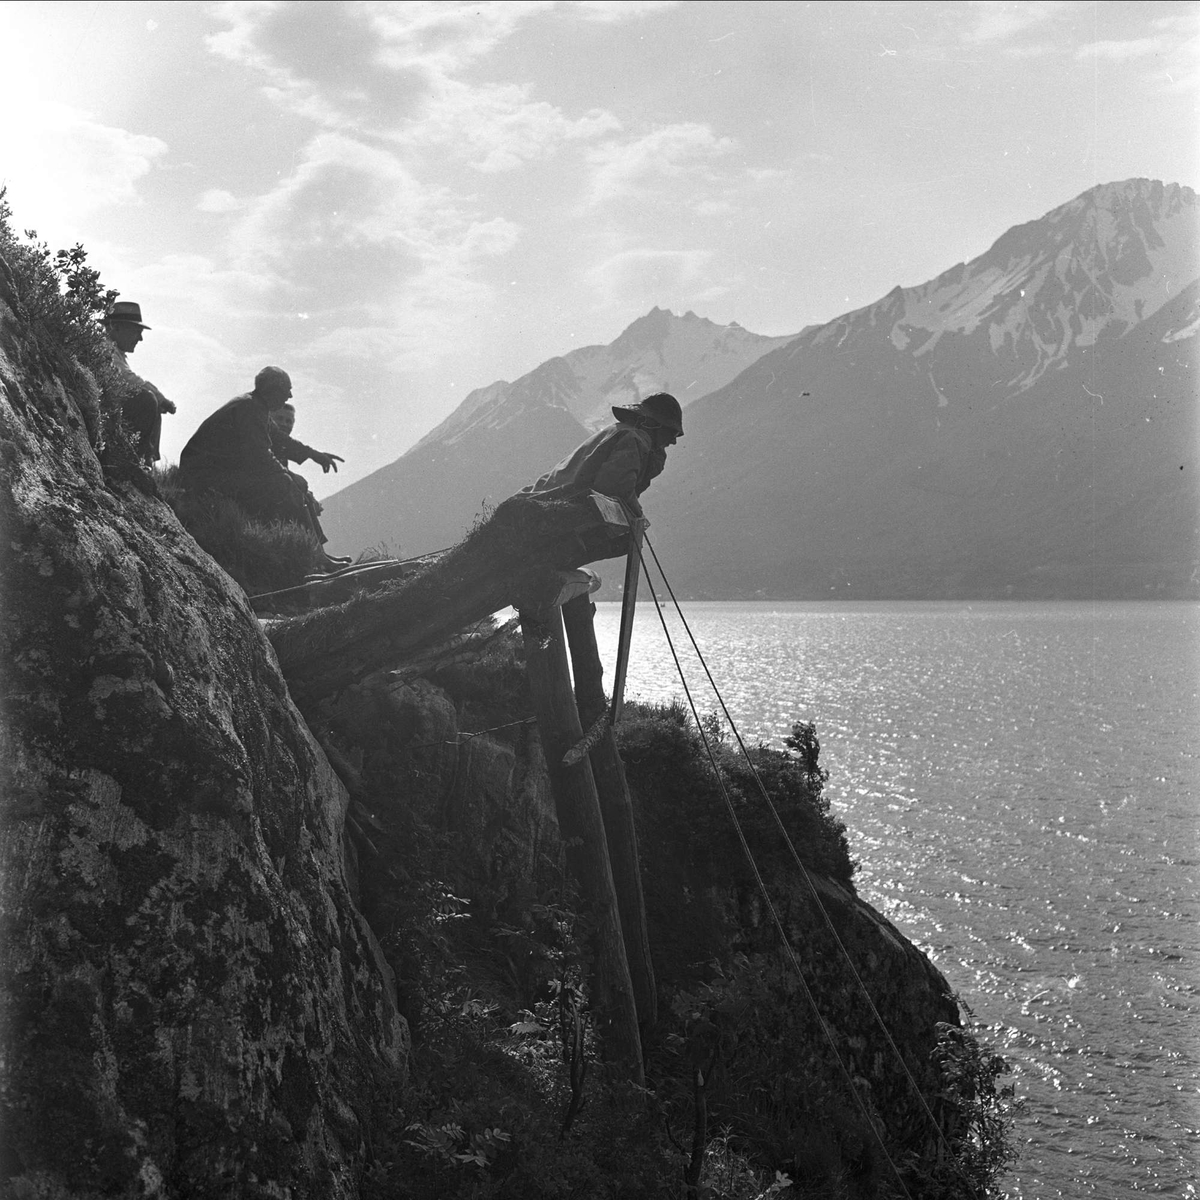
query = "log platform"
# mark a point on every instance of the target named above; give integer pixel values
(388, 615)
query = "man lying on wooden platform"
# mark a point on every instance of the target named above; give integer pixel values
(621, 460)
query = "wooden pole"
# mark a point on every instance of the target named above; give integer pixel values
(633, 573)
(582, 827)
(615, 804)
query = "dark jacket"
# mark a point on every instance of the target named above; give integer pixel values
(235, 440)
(618, 461)
(286, 449)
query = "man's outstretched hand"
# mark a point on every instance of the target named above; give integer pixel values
(327, 460)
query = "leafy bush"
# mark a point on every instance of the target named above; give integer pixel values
(672, 779)
(62, 303)
(981, 1111)
(508, 1099)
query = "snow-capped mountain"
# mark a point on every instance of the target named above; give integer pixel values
(1098, 265)
(505, 435)
(1025, 424)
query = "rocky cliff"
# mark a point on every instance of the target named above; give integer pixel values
(462, 863)
(192, 1005)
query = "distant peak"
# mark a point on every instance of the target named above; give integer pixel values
(653, 327)
(1124, 192)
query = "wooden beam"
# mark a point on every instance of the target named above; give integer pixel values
(616, 807)
(323, 651)
(582, 828)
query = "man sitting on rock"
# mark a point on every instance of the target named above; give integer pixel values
(287, 449)
(621, 460)
(142, 404)
(231, 454)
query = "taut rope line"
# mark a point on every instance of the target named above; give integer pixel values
(804, 872)
(762, 887)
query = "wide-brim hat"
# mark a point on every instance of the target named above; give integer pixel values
(128, 311)
(661, 407)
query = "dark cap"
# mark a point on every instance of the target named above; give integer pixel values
(272, 379)
(126, 310)
(661, 407)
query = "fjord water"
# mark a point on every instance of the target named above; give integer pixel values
(1021, 783)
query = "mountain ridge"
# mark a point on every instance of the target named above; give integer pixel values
(504, 435)
(927, 444)
(829, 480)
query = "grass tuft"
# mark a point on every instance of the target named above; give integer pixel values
(261, 556)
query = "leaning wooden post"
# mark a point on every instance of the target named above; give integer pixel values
(615, 804)
(580, 822)
(633, 572)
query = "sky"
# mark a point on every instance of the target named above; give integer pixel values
(401, 202)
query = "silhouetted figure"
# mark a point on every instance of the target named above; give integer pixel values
(142, 404)
(231, 453)
(287, 449)
(619, 461)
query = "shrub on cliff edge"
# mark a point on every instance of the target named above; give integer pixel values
(62, 302)
(669, 770)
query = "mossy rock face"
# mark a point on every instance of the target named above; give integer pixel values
(190, 1001)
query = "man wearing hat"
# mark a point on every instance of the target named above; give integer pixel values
(621, 460)
(231, 453)
(142, 404)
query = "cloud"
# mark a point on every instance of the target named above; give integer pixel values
(1174, 44)
(669, 155)
(217, 200)
(997, 22)
(318, 60)
(445, 38)
(197, 284)
(1121, 51)
(621, 10)
(61, 163)
(496, 127)
(395, 71)
(1032, 29)
(415, 327)
(343, 196)
(640, 278)
(382, 264)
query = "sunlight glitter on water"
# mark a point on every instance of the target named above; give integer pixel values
(1020, 783)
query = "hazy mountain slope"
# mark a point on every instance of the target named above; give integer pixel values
(505, 435)
(660, 352)
(428, 498)
(1015, 427)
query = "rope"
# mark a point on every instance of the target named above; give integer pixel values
(762, 887)
(804, 872)
(466, 737)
